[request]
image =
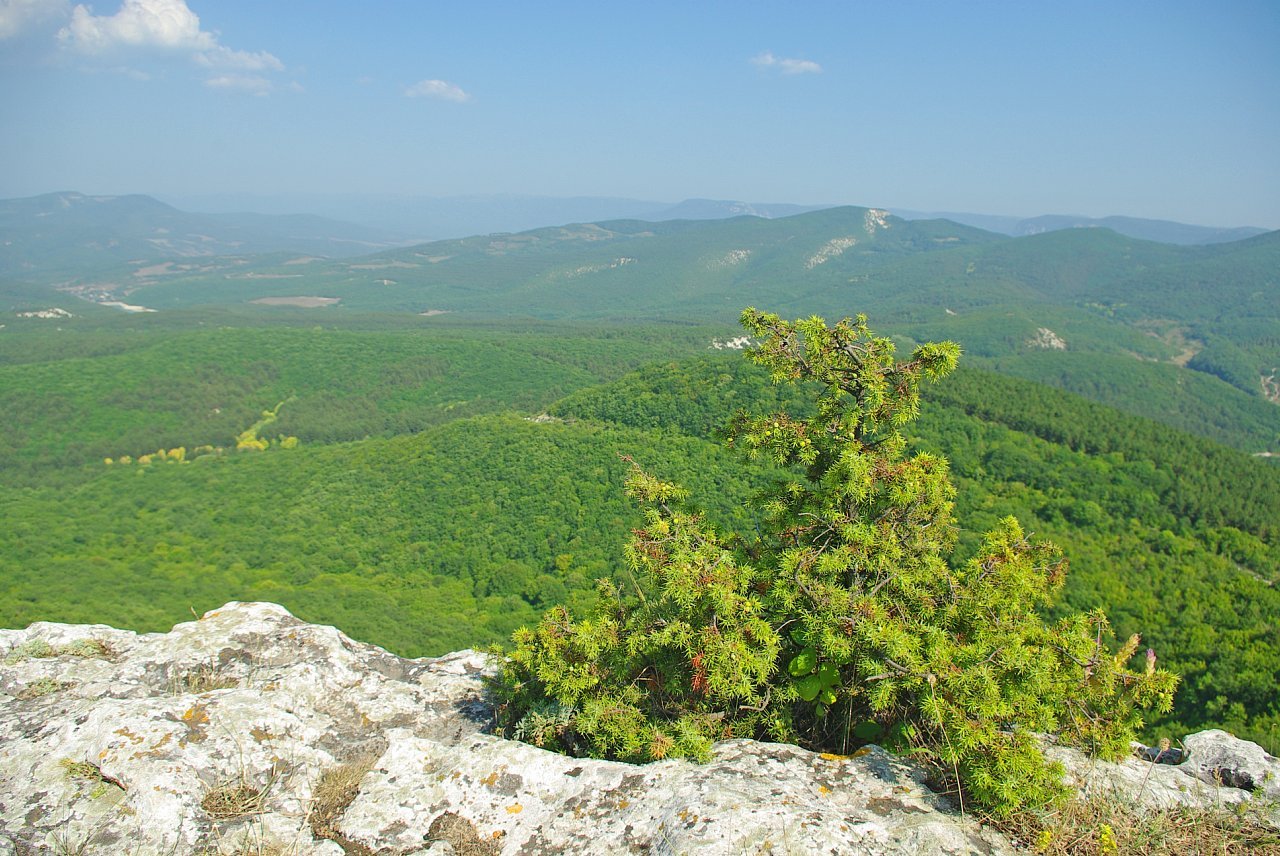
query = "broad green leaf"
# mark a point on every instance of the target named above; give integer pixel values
(809, 687)
(803, 663)
(868, 730)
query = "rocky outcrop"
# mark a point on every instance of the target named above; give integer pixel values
(1216, 757)
(249, 730)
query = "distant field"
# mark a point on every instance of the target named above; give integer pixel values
(303, 302)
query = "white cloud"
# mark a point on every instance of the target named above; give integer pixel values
(139, 23)
(19, 15)
(253, 84)
(158, 25)
(220, 57)
(441, 89)
(787, 66)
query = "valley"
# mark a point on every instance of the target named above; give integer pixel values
(1183, 334)
(840, 392)
(438, 429)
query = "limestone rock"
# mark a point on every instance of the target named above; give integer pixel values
(1218, 757)
(1140, 782)
(249, 729)
(138, 751)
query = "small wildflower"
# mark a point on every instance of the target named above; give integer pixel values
(1043, 840)
(1107, 840)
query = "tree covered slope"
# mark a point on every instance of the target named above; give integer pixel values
(1183, 334)
(448, 529)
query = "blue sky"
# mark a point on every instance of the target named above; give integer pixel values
(1167, 110)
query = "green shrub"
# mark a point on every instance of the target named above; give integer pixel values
(842, 621)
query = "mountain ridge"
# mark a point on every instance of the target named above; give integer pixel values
(1161, 231)
(64, 233)
(1209, 308)
(440, 218)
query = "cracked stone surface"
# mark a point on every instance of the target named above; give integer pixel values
(213, 738)
(1218, 758)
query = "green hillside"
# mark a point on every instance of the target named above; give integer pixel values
(423, 543)
(85, 395)
(458, 531)
(1174, 536)
(616, 269)
(58, 236)
(411, 492)
(1195, 402)
(1183, 334)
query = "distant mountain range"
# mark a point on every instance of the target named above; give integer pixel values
(438, 218)
(1163, 231)
(1185, 334)
(65, 233)
(441, 218)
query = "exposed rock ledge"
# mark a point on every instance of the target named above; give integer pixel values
(154, 748)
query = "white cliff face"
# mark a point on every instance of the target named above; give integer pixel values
(1047, 340)
(249, 729)
(830, 250)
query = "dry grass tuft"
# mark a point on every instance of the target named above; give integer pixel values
(333, 792)
(1101, 826)
(337, 788)
(261, 848)
(66, 843)
(252, 847)
(204, 678)
(233, 799)
(462, 836)
(250, 841)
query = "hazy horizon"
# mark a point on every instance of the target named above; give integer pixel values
(1161, 111)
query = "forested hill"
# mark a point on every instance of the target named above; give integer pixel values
(78, 397)
(1175, 537)
(455, 521)
(1198, 480)
(61, 235)
(429, 456)
(1183, 334)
